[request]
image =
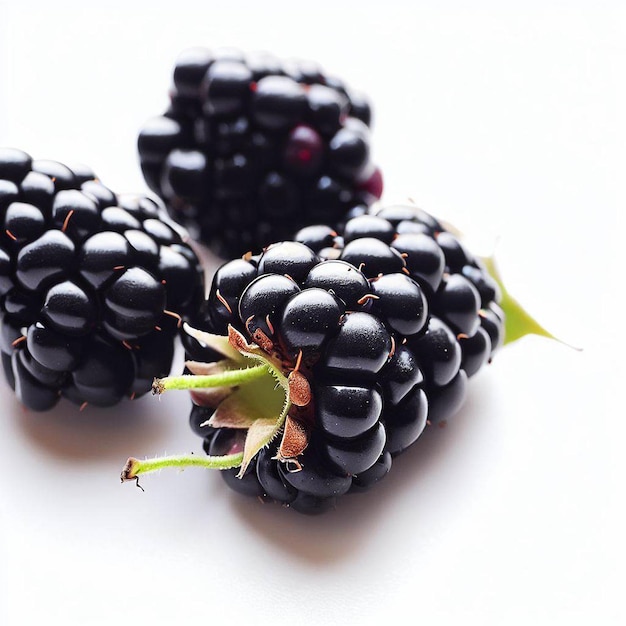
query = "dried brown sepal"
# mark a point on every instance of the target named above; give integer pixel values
(299, 388)
(295, 440)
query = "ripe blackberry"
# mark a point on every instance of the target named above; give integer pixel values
(253, 148)
(90, 284)
(346, 344)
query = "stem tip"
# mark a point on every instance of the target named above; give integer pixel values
(157, 387)
(130, 470)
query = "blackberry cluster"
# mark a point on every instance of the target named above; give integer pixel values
(253, 148)
(89, 283)
(387, 321)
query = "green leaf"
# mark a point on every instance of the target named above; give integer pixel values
(517, 321)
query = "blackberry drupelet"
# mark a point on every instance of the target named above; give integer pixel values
(91, 285)
(357, 340)
(253, 148)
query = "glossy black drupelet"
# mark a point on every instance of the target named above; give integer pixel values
(391, 315)
(87, 279)
(253, 148)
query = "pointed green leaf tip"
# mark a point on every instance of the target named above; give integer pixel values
(517, 321)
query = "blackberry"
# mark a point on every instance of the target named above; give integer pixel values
(91, 285)
(253, 148)
(316, 363)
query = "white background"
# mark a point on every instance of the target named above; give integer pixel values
(506, 118)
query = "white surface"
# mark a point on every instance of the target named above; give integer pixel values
(510, 120)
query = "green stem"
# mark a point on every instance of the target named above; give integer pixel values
(135, 467)
(229, 378)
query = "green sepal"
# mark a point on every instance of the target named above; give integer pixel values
(219, 343)
(259, 399)
(262, 402)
